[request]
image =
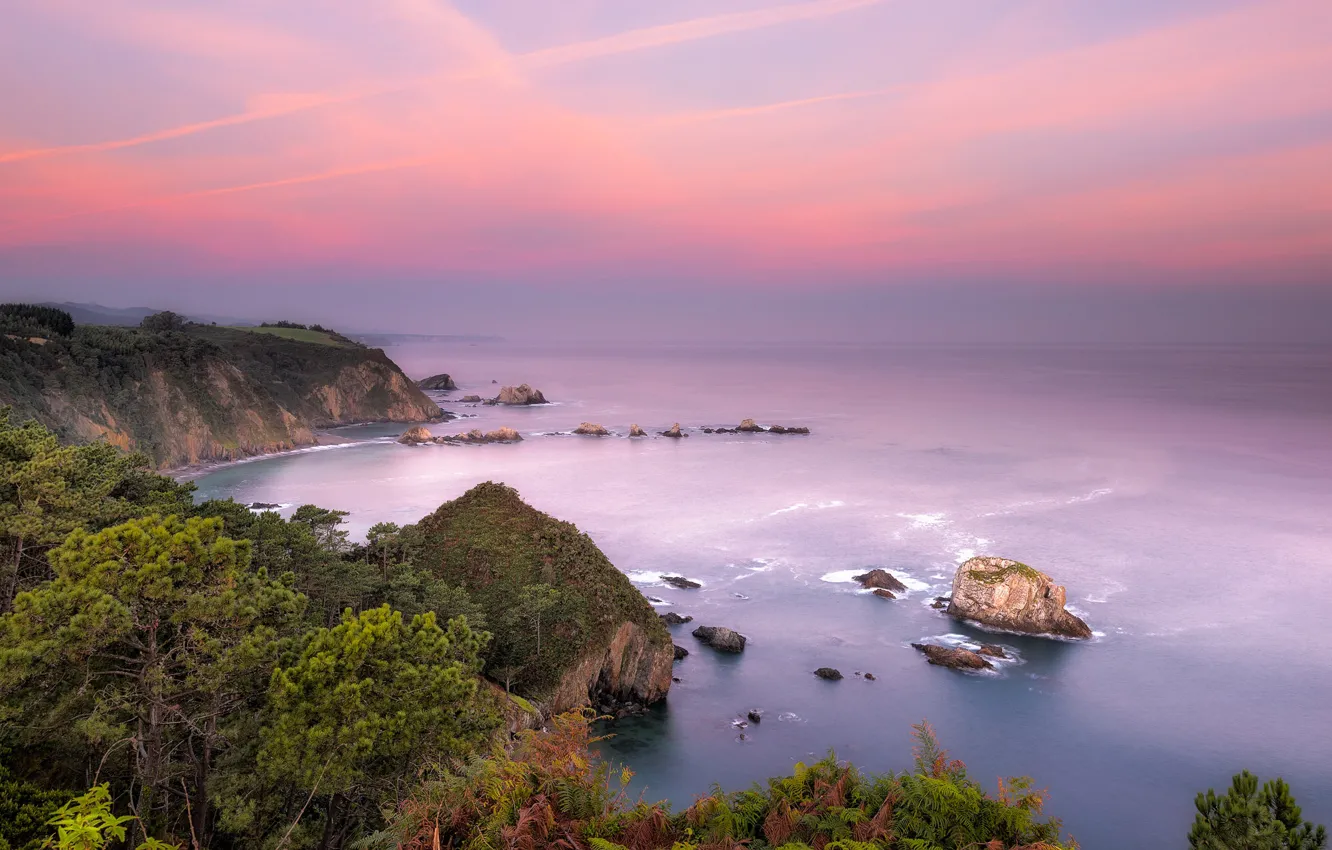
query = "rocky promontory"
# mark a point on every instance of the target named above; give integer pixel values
(600, 642)
(1009, 595)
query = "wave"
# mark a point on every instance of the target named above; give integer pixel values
(913, 585)
(834, 503)
(926, 520)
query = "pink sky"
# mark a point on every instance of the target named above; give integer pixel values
(866, 142)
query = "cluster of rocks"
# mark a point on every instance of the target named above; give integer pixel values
(263, 506)
(882, 582)
(617, 709)
(420, 435)
(681, 583)
(749, 426)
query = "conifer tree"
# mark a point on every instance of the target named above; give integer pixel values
(1249, 818)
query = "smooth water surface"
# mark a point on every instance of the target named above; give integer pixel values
(1183, 497)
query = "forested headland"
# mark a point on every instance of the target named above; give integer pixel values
(182, 393)
(188, 675)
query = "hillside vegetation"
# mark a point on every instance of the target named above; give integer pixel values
(184, 393)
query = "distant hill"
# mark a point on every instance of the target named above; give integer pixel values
(191, 393)
(96, 314)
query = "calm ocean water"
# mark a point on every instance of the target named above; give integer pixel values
(1184, 497)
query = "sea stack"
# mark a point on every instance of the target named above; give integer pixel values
(674, 431)
(521, 394)
(1010, 595)
(438, 383)
(636, 431)
(415, 436)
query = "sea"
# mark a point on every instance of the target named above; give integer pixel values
(1183, 495)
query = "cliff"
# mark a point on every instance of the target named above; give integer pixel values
(569, 628)
(198, 393)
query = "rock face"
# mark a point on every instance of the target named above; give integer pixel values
(492, 544)
(830, 673)
(956, 659)
(415, 436)
(680, 652)
(680, 582)
(721, 638)
(1009, 595)
(877, 578)
(470, 399)
(438, 383)
(521, 394)
(591, 429)
(636, 431)
(671, 618)
(674, 431)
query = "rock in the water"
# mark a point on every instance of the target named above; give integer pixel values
(782, 429)
(437, 382)
(880, 579)
(671, 618)
(754, 715)
(886, 594)
(415, 436)
(749, 426)
(635, 431)
(680, 582)
(940, 602)
(680, 652)
(521, 394)
(1009, 595)
(264, 506)
(957, 659)
(721, 638)
(830, 673)
(499, 435)
(674, 431)
(870, 677)
(470, 399)
(993, 650)
(591, 429)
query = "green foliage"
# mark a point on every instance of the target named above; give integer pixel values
(48, 490)
(87, 823)
(163, 322)
(150, 632)
(35, 320)
(25, 810)
(1001, 575)
(511, 558)
(1247, 818)
(370, 700)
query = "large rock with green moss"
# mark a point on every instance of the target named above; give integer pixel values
(1012, 596)
(600, 639)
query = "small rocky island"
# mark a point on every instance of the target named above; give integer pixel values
(1009, 595)
(882, 582)
(520, 395)
(420, 435)
(749, 426)
(437, 383)
(592, 429)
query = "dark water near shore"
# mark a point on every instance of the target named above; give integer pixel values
(1184, 497)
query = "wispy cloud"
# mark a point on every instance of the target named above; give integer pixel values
(766, 108)
(691, 30)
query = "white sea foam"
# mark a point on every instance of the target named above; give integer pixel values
(834, 503)
(1111, 588)
(841, 576)
(644, 577)
(926, 520)
(790, 717)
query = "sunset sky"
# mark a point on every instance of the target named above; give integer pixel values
(600, 158)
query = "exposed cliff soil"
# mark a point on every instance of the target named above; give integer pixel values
(202, 393)
(600, 639)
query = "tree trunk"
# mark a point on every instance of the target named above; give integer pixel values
(329, 821)
(12, 580)
(200, 807)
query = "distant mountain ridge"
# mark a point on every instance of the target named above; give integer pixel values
(194, 393)
(96, 314)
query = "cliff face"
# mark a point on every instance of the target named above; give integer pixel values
(596, 635)
(202, 393)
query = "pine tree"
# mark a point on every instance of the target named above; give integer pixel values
(1247, 818)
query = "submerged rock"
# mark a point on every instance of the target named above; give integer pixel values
(674, 431)
(830, 673)
(754, 715)
(591, 429)
(877, 578)
(439, 382)
(886, 594)
(415, 436)
(680, 652)
(940, 602)
(780, 429)
(870, 677)
(955, 659)
(521, 394)
(993, 650)
(1010, 595)
(720, 638)
(681, 582)
(671, 618)
(636, 431)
